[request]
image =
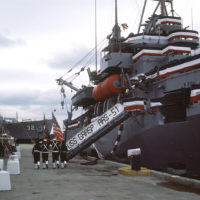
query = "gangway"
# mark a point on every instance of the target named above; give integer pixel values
(101, 126)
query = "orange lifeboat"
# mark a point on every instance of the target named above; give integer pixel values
(109, 87)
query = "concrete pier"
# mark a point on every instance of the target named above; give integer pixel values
(89, 182)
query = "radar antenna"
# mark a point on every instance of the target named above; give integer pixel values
(163, 13)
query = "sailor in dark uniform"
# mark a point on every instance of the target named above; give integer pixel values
(63, 155)
(45, 153)
(7, 148)
(36, 154)
(1, 150)
(55, 153)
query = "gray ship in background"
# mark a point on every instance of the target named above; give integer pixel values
(155, 73)
(4, 120)
(25, 131)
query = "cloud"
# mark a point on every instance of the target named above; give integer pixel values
(24, 76)
(9, 42)
(66, 60)
(32, 104)
(30, 98)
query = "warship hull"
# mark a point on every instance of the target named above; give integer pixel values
(25, 132)
(163, 147)
(156, 74)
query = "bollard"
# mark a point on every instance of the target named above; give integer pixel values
(18, 154)
(18, 148)
(13, 166)
(4, 181)
(13, 157)
(135, 158)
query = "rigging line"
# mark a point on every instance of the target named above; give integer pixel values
(82, 59)
(132, 9)
(133, 25)
(92, 55)
(177, 14)
(74, 76)
(138, 8)
(91, 59)
(100, 48)
(69, 79)
(78, 73)
(76, 64)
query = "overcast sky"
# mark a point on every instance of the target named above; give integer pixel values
(41, 39)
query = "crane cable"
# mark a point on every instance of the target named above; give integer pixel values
(78, 63)
(75, 75)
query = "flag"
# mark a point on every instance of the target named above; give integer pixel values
(57, 132)
(45, 129)
(125, 26)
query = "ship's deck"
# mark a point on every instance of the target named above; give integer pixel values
(93, 182)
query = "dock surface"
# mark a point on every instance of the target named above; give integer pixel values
(88, 182)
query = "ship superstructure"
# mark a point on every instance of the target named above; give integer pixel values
(155, 71)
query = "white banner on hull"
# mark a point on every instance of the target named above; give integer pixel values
(95, 126)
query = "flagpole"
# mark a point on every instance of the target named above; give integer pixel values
(96, 35)
(65, 134)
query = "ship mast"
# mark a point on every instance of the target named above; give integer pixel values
(163, 13)
(145, 3)
(96, 35)
(172, 8)
(163, 8)
(116, 17)
(116, 32)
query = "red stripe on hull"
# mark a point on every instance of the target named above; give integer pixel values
(183, 36)
(195, 98)
(161, 54)
(69, 128)
(134, 107)
(175, 71)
